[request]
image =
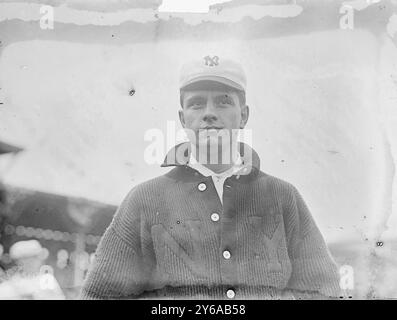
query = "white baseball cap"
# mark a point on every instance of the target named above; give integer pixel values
(215, 69)
(26, 249)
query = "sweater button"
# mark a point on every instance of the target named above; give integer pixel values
(214, 216)
(226, 254)
(202, 186)
(230, 293)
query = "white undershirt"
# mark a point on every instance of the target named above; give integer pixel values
(217, 178)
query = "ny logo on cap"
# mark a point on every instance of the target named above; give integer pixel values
(214, 61)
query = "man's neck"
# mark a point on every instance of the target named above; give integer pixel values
(218, 168)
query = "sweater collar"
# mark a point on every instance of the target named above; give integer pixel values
(180, 155)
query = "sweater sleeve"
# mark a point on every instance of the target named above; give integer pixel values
(314, 271)
(121, 267)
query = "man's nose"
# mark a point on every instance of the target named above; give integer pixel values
(210, 112)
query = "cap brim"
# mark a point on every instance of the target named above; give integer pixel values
(211, 82)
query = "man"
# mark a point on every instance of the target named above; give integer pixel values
(215, 226)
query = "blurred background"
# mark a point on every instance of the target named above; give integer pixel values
(80, 88)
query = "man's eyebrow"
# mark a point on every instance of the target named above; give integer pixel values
(224, 95)
(193, 97)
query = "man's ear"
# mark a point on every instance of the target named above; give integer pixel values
(181, 117)
(244, 116)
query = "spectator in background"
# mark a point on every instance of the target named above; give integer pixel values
(2, 271)
(3, 215)
(3, 201)
(32, 279)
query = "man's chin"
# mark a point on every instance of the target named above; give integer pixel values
(210, 142)
(212, 149)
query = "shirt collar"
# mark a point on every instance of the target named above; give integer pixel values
(180, 156)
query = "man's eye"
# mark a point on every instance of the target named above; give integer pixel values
(225, 101)
(195, 104)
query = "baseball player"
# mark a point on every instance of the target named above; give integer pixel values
(212, 228)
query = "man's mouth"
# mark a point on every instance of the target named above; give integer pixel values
(211, 128)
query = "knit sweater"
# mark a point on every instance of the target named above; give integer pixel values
(163, 242)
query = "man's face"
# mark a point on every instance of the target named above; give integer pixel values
(30, 264)
(211, 111)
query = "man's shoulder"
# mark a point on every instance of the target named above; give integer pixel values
(150, 189)
(143, 197)
(157, 182)
(288, 198)
(277, 184)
